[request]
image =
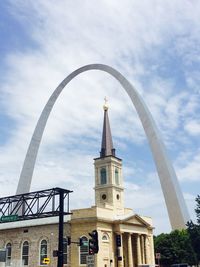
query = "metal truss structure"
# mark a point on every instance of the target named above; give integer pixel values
(34, 205)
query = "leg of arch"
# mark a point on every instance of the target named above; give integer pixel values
(175, 203)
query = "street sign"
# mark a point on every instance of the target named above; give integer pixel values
(90, 261)
(85, 243)
(2, 255)
(82, 242)
(158, 256)
(9, 218)
(46, 260)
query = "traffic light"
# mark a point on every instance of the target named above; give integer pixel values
(93, 242)
(118, 240)
(91, 247)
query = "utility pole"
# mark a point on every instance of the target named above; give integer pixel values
(60, 230)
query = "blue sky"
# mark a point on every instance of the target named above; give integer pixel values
(154, 44)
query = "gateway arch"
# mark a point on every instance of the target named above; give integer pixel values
(175, 203)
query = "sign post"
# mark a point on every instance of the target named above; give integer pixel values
(60, 229)
(158, 256)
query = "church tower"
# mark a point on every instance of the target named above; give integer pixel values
(109, 191)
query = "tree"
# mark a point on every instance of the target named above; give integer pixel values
(175, 247)
(194, 235)
(197, 210)
(194, 231)
(181, 246)
(162, 243)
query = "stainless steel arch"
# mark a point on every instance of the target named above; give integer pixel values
(175, 203)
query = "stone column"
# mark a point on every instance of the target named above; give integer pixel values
(138, 250)
(146, 243)
(130, 251)
(142, 249)
(151, 249)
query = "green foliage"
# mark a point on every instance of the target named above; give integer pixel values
(180, 246)
(197, 210)
(194, 235)
(174, 248)
(194, 231)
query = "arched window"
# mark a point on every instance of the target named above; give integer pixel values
(105, 238)
(65, 250)
(43, 251)
(25, 252)
(83, 251)
(8, 254)
(117, 176)
(103, 175)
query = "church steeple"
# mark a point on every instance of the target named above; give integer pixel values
(107, 143)
(109, 191)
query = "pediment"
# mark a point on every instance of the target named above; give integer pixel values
(136, 220)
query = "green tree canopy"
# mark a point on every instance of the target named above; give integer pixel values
(175, 247)
(194, 231)
(197, 210)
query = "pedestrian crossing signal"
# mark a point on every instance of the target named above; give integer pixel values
(118, 240)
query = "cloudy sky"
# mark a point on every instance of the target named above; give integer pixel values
(154, 44)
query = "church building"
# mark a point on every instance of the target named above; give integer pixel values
(125, 238)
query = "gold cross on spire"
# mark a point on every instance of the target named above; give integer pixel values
(105, 106)
(106, 100)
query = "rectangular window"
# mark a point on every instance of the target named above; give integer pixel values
(103, 176)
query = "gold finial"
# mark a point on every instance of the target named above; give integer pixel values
(105, 106)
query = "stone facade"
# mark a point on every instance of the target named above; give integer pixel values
(135, 231)
(34, 232)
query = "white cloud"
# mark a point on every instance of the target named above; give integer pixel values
(193, 127)
(189, 166)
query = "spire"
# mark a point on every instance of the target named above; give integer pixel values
(106, 144)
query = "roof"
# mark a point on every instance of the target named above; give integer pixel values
(33, 222)
(107, 148)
